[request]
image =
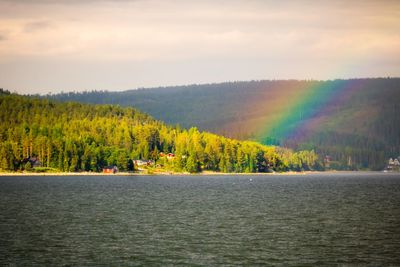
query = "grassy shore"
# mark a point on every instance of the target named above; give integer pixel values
(166, 173)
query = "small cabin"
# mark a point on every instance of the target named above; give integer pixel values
(35, 162)
(110, 169)
(140, 162)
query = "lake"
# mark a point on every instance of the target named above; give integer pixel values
(314, 219)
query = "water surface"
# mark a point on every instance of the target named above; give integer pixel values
(317, 219)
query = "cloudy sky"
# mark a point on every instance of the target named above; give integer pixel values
(72, 45)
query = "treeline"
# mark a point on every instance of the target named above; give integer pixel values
(77, 137)
(356, 122)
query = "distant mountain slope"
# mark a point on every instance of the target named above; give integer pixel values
(356, 122)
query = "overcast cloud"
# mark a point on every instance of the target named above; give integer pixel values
(49, 46)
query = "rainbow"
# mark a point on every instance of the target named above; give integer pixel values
(290, 109)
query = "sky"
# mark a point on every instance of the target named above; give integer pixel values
(49, 46)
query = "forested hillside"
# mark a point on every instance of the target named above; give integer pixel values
(82, 137)
(354, 123)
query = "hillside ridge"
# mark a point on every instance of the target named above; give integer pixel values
(354, 122)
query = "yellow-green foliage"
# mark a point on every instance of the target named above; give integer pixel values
(82, 137)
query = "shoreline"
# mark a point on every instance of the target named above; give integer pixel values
(205, 173)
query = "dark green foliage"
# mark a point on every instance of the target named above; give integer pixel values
(355, 122)
(80, 137)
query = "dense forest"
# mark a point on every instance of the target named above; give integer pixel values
(75, 137)
(354, 124)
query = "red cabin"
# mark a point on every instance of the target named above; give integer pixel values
(110, 169)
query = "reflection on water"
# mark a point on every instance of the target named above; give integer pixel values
(206, 220)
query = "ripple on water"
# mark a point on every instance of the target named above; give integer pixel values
(204, 220)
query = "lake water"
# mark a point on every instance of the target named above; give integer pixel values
(329, 219)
